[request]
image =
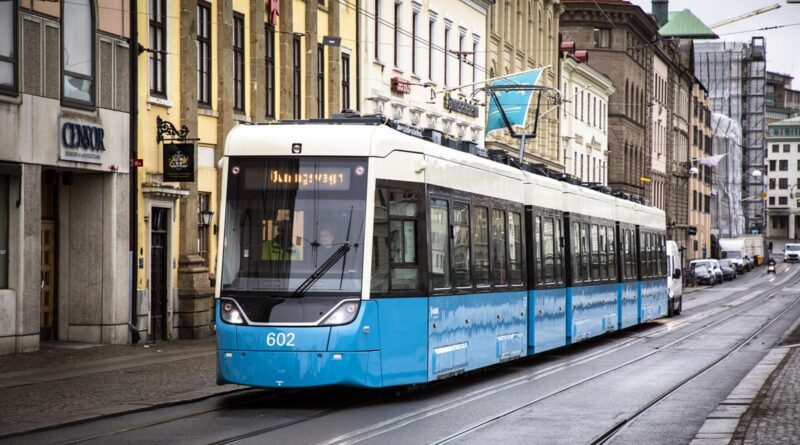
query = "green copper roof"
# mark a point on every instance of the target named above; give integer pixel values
(684, 24)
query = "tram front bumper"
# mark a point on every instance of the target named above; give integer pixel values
(280, 369)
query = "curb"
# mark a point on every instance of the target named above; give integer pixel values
(720, 424)
(120, 410)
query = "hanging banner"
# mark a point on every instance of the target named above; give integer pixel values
(515, 104)
(178, 162)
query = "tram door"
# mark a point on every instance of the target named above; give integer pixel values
(158, 274)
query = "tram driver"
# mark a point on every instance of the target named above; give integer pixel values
(280, 246)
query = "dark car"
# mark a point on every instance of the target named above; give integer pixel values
(700, 274)
(728, 269)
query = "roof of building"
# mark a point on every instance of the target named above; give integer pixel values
(791, 121)
(684, 24)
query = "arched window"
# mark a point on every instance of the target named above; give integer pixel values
(8, 47)
(627, 99)
(520, 30)
(77, 37)
(550, 47)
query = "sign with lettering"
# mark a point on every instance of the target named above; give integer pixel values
(460, 106)
(81, 142)
(400, 86)
(178, 162)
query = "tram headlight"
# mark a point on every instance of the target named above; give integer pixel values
(230, 312)
(343, 314)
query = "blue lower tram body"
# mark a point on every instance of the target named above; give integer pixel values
(404, 341)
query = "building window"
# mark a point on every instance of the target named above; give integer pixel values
(431, 29)
(320, 81)
(460, 59)
(396, 58)
(783, 165)
(296, 79)
(414, 24)
(377, 37)
(158, 48)
(446, 52)
(776, 148)
(238, 62)
(782, 200)
(772, 200)
(204, 53)
(772, 183)
(203, 205)
(269, 47)
(78, 51)
(783, 183)
(772, 165)
(708, 203)
(602, 38)
(8, 47)
(345, 81)
(786, 148)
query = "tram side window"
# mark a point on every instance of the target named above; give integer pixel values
(499, 269)
(585, 253)
(601, 240)
(662, 256)
(630, 255)
(440, 244)
(559, 256)
(515, 247)
(577, 265)
(480, 242)
(461, 239)
(612, 257)
(538, 247)
(595, 246)
(394, 253)
(548, 271)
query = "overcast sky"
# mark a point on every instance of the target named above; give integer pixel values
(783, 45)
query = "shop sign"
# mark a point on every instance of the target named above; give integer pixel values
(81, 142)
(400, 86)
(178, 163)
(460, 106)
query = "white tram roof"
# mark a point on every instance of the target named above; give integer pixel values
(401, 155)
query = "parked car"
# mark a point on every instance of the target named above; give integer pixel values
(791, 252)
(701, 274)
(729, 269)
(713, 266)
(749, 264)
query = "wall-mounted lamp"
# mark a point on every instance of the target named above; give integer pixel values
(205, 217)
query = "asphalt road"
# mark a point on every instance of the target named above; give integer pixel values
(650, 384)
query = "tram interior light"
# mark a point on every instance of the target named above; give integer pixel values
(344, 314)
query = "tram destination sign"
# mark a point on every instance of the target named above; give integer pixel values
(81, 142)
(179, 162)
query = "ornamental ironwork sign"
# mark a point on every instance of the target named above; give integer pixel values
(166, 131)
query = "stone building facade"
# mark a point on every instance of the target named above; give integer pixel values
(783, 194)
(584, 121)
(210, 66)
(619, 36)
(64, 173)
(702, 178)
(522, 35)
(414, 54)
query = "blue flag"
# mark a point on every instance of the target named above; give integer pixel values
(514, 103)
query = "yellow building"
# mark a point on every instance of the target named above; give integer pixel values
(209, 66)
(701, 177)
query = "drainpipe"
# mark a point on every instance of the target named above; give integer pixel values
(133, 195)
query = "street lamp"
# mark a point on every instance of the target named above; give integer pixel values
(205, 217)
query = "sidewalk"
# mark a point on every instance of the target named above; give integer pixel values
(765, 407)
(64, 383)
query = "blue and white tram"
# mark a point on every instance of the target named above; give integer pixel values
(354, 254)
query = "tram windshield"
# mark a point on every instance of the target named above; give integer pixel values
(295, 225)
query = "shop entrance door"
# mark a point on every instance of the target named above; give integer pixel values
(48, 292)
(158, 273)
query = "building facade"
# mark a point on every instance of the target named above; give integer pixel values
(782, 101)
(64, 173)
(783, 162)
(413, 56)
(617, 35)
(702, 176)
(660, 120)
(523, 34)
(584, 121)
(209, 66)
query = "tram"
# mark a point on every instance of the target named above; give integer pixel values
(356, 251)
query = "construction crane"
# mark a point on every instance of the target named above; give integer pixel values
(745, 16)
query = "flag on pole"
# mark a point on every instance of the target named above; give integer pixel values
(711, 161)
(515, 103)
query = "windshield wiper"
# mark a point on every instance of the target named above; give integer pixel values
(321, 270)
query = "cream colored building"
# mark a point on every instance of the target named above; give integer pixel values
(700, 183)
(523, 34)
(414, 53)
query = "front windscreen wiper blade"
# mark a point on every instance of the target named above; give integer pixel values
(321, 270)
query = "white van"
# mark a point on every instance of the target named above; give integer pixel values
(674, 278)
